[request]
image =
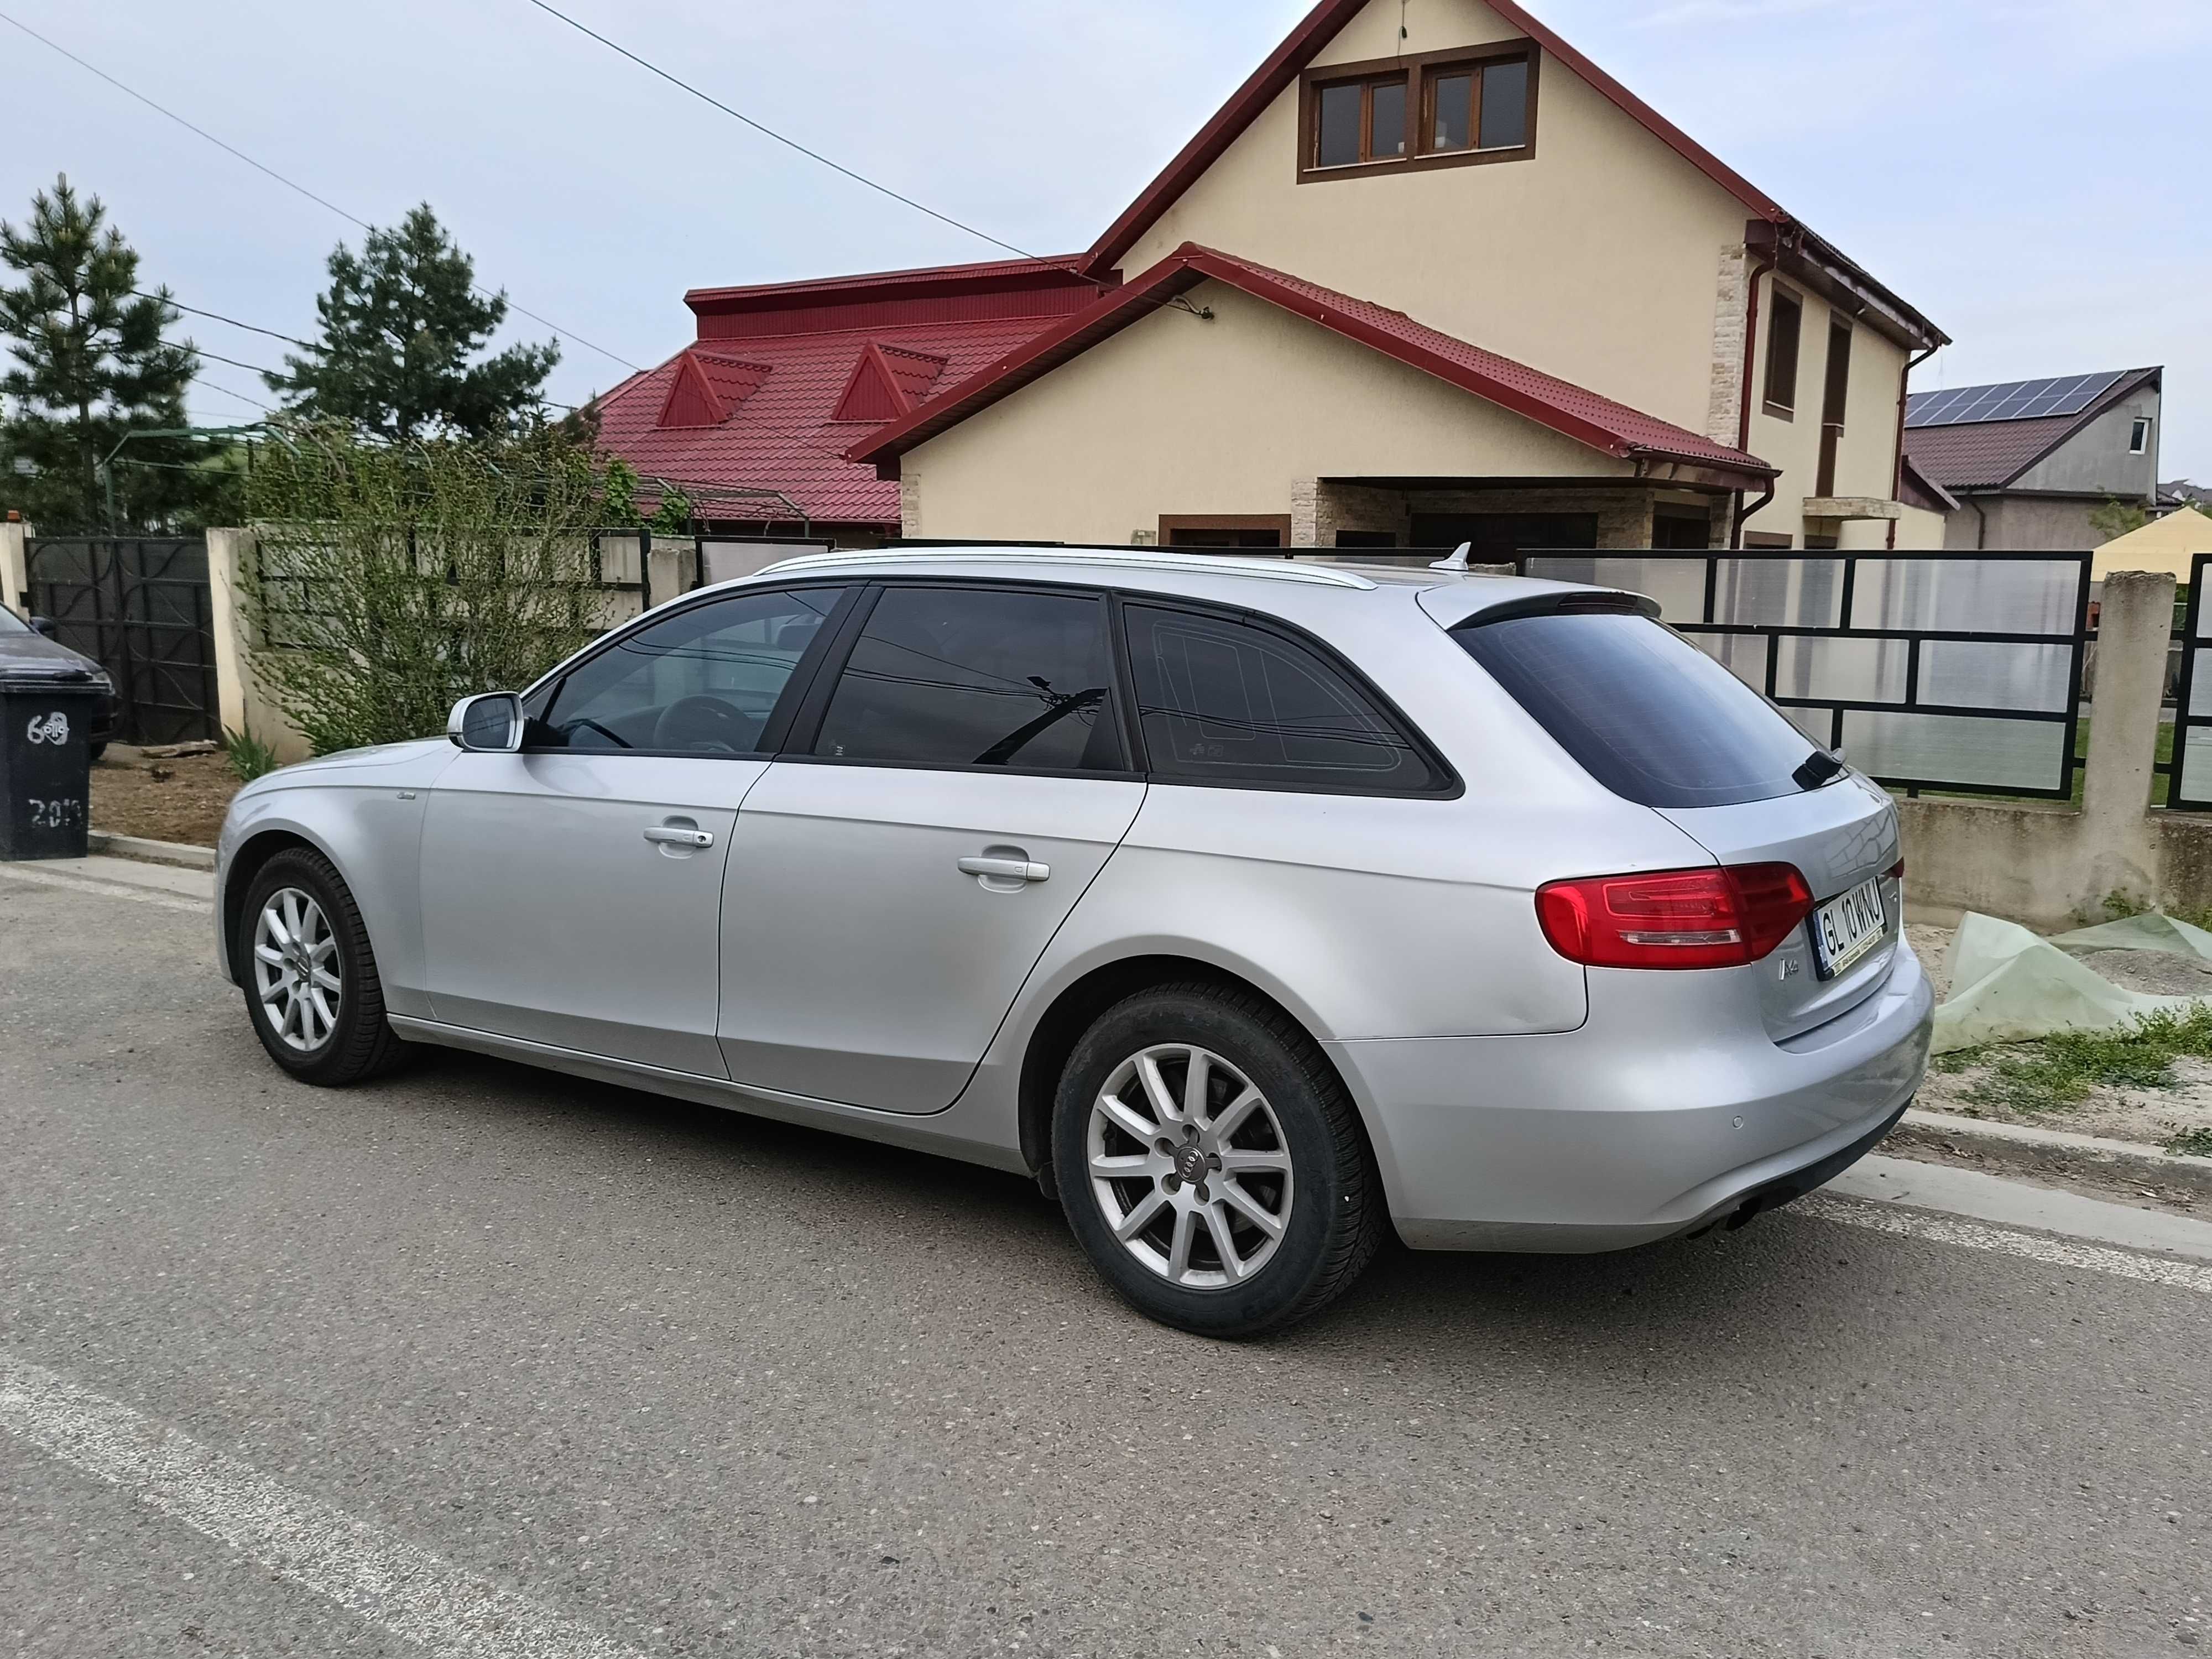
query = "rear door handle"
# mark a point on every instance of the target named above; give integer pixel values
(668, 836)
(1006, 869)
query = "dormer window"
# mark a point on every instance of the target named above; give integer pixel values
(1437, 109)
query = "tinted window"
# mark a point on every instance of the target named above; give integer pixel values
(12, 624)
(703, 682)
(1226, 702)
(1646, 712)
(1387, 120)
(1452, 101)
(1337, 144)
(977, 677)
(1504, 105)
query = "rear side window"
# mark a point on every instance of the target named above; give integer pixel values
(1227, 702)
(977, 677)
(1646, 712)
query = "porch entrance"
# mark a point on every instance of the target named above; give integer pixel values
(1495, 538)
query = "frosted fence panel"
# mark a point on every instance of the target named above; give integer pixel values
(1996, 674)
(2194, 781)
(1963, 749)
(1743, 655)
(1679, 584)
(1967, 596)
(1778, 592)
(1818, 724)
(2200, 687)
(1847, 670)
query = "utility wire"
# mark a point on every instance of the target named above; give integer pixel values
(252, 328)
(211, 386)
(254, 368)
(320, 201)
(770, 133)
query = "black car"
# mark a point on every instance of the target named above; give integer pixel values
(26, 648)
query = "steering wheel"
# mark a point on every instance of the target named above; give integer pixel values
(704, 724)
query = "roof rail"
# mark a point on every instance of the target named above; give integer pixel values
(1280, 570)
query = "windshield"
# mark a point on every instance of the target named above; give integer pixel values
(12, 623)
(1646, 712)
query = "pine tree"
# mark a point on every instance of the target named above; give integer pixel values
(400, 322)
(90, 364)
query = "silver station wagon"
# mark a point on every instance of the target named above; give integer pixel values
(1256, 909)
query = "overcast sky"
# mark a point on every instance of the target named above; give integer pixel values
(2039, 188)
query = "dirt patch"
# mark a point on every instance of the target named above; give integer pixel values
(2151, 1115)
(182, 798)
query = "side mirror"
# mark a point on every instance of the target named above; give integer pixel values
(491, 723)
(44, 625)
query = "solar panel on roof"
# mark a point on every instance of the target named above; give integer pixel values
(2010, 400)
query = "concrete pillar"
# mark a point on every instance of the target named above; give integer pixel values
(1305, 513)
(2132, 632)
(241, 703)
(15, 566)
(671, 568)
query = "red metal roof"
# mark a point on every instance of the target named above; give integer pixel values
(781, 436)
(1612, 428)
(1319, 26)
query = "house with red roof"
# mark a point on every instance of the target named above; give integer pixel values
(1429, 276)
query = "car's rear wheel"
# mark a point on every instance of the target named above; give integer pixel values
(312, 987)
(1211, 1164)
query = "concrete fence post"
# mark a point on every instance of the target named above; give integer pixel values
(15, 565)
(241, 704)
(2119, 843)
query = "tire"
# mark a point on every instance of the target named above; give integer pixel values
(95, 751)
(1298, 1157)
(320, 1036)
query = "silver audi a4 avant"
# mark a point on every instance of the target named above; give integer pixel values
(1255, 909)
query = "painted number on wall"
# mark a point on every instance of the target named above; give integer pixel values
(56, 814)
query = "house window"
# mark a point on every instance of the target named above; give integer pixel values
(2139, 436)
(1358, 121)
(1438, 109)
(1781, 353)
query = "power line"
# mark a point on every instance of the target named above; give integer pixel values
(252, 328)
(211, 386)
(770, 133)
(320, 201)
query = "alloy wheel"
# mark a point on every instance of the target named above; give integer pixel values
(295, 968)
(1189, 1166)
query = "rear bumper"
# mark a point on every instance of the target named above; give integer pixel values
(1653, 1120)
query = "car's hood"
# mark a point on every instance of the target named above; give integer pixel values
(333, 768)
(34, 654)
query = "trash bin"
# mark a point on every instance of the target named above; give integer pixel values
(46, 763)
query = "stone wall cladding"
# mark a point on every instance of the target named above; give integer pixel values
(909, 503)
(1724, 395)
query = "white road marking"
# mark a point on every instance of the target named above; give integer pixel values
(405, 1589)
(2033, 1247)
(106, 890)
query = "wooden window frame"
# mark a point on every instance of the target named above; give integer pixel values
(1776, 294)
(1835, 400)
(1277, 522)
(1419, 72)
(1767, 541)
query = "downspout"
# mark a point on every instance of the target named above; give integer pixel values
(1897, 466)
(1766, 262)
(1981, 524)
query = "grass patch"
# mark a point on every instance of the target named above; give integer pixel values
(2192, 1143)
(2055, 1073)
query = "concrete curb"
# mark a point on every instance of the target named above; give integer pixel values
(175, 853)
(2052, 1151)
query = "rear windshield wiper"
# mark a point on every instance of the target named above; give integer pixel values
(1818, 767)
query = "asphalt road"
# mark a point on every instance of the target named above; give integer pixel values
(685, 1382)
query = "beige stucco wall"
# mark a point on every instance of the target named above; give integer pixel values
(1866, 459)
(1235, 415)
(1595, 261)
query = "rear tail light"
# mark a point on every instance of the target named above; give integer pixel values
(1709, 918)
(1896, 871)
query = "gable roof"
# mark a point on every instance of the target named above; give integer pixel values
(1327, 19)
(1991, 454)
(1613, 429)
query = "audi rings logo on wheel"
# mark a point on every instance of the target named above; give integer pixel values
(48, 728)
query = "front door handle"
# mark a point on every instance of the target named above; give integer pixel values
(667, 835)
(1006, 869)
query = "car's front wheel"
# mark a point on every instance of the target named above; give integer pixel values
(1211, 1164)
(311, 982)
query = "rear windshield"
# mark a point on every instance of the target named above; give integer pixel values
(1647, 715)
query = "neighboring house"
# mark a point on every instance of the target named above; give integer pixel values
(2170, 544)
(2182, 493)
(2028, 461)
(1429, 276)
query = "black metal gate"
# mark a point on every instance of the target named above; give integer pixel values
(139, 604)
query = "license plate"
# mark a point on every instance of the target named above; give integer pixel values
(1847, 926)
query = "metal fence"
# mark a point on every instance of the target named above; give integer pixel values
(1956, 672)
(140, 606)
(2191, 769)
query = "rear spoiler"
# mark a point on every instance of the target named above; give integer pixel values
(1567, 602)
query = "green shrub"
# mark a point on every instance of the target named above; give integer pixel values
(250, 758)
